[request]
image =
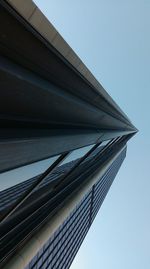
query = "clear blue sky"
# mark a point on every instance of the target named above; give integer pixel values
(112, 37)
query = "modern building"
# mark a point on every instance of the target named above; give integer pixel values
(62, 142)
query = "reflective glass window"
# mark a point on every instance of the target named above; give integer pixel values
(76, 154)
(69, 162)
(104, 143)
(97, 150)
(16, 182)
(21, 174)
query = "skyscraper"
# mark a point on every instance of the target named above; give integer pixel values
(63, 140)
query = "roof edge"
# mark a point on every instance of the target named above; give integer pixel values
(33, 15)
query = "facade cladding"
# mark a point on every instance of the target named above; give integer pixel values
(9, 196)
(61, 248)
(62, 142)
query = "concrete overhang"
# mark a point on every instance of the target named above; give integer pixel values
(34, 29)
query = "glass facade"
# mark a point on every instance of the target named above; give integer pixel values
(68, 171)
(27, 175)
(16, 182)
(20, 180)
(64, 175)
(61, 248)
